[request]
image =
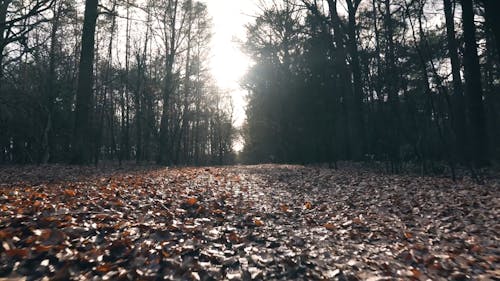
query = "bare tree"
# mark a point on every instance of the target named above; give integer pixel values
(473, 87)
(82, 128)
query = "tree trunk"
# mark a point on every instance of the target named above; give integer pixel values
(125, 136)
(491, 9)
(357, 101)
(49, 86)
(458, 113)
(170, 42)
(185, 115)
(3, 16)
(392, 92)
(473, 88)
(82, 129)
(343, 77)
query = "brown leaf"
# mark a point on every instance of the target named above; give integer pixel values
(105, 268)
(357, 221)
(233, 237)
(42, 248)
(69, 192)
(191, 201)
(37, 204)
(284, 208)
(258, 222)
(416, 273)
(20, 253)
(329, 226)
(4, 234)
(217, 212)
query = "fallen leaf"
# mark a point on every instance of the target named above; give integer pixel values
(329, 226)
(284, 208)
(191, 201)
(69, 192)
(416, 273)
(104, 268)
(20, 253)
(308, 205)
(258, 222)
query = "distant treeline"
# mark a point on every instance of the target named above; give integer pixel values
(390, 80)
(126, 80)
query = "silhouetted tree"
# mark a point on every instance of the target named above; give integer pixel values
(473, 87)
(82, 129)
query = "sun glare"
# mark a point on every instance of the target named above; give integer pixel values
(228, 63)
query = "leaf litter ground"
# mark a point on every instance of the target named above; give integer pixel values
(244, 223)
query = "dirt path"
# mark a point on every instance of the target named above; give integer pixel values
(243, 223)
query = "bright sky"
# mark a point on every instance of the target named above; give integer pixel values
(228, 63)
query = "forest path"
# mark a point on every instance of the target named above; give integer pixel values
(245, 222)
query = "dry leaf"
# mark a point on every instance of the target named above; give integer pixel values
(20, 253)
(191, 201)
(258, 222)
(69, 192)
(416, 273)
(329, 226)
(308, 205)
(284, 208)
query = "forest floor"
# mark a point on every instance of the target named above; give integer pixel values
(245, 222)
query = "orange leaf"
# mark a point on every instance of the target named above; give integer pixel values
(308, 205)
(258, 222)
(284, 208)
(5, 234)
(39, 195)
(329, 226)
(42, 248)
(218, 212)
(20, 253)
(191, 201)
(30, 239)
(118, 203)
(104, 268)
(416, 273)
(70, 192)
(408, 235)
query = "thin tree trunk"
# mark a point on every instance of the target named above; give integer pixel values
(458, 113)
(170, 42)
(3, 17)
(393, 99)
(357, 101)
(49, 90)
